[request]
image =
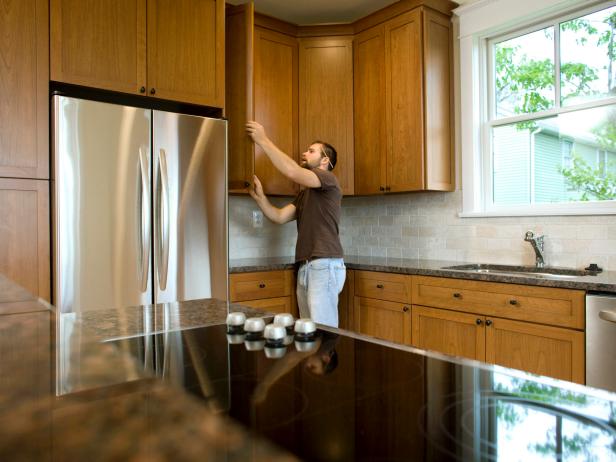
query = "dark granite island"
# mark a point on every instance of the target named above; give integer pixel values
(187, 391)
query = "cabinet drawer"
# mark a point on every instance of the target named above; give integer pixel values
(383, 286)
(545, 305)
(273, 305)
(258, 285)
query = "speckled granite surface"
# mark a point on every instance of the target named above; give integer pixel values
(66, 395)
(603, 282)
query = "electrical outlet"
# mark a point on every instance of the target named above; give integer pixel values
(257, 219)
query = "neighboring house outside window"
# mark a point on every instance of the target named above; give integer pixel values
(538, 103)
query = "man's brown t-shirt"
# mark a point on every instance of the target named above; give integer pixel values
(317, 211)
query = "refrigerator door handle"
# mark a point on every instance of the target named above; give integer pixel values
(163, 221)
(145, 217)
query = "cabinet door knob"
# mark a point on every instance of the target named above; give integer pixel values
(478, 322)
(152, 91)
(457, 295)
(488, 322)
(379, 286)
(261, 285)
(387, 188)
(405, 309)
(513, 301)
(246, 184)
(381, 188)
(142, 90)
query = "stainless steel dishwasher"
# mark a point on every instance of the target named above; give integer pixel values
(601, 341)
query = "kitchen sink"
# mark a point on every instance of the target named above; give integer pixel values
(547, 273)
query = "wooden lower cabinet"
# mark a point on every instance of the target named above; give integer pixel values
(274, 305)
(24, 234)
(272, 291)
(382, 319)
(545, 350)
(345, 302)
(449, 332)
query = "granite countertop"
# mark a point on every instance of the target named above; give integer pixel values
(67, 394)
(602, 282)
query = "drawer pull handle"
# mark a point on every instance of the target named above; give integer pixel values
(488, 322)
(513, 302)
(457, 295)
(478, 322)
(261, 285)
(379, 286)
(405, 309)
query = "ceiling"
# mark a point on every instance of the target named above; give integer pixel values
(312, 12)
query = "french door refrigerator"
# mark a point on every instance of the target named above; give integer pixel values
(140, 199)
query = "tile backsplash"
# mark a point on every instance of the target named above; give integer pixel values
(427, 226)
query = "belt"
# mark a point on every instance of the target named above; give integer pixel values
(308, 260)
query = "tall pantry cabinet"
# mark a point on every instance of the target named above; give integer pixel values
(402, 104)
(24, 145)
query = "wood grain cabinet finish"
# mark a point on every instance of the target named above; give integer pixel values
(544, 305)
(383, 286)
(402, 104)
(535, 329)
(545, 350)
(24, 234)
(24, 83)
(382, 319)
(382, 306)
(262, 84)
(170, 50)
(326, 100)
(267, 290)
(449, 332)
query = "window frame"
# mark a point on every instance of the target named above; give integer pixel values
(477, 165)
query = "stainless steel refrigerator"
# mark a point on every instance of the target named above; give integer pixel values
(140, 206)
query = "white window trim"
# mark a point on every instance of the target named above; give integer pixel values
(476, 23)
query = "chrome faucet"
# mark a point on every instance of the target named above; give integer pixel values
(537, 243)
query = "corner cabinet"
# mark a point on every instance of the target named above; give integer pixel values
(326, 99)
(402, 86)
(169, 50)
(261, 85)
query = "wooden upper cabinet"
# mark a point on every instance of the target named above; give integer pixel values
(275, 103)
(261, 85)
(405, 103)
(24, 234)
(326, 100)
(24, 83)
(369, 114)
(99, 43)
(239, 83)
(103, 44)
(186, 54)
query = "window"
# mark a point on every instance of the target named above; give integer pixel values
(547, 140)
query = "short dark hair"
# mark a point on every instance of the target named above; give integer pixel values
(330, 152)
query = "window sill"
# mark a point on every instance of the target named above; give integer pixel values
(577, 208)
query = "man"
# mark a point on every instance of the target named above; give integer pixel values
(316, 208)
